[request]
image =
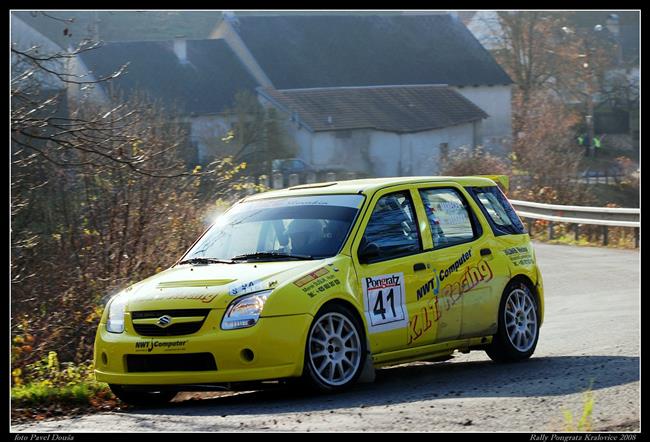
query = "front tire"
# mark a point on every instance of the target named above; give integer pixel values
(518, 329)
(335, 351)
(143, 398)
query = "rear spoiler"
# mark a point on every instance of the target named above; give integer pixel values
(502, 180)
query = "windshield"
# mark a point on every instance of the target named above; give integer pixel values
(301, 227)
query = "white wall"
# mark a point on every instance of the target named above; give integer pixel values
(379, 153)
(496, 101)
(421, 150)
(207, 131)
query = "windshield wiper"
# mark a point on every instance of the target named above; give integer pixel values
(205, 261)
(262, 255)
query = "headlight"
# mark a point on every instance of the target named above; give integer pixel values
(245, 311)
(115, 322)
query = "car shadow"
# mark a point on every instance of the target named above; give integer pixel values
(422, 381)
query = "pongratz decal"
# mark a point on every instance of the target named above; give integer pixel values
(384, 302)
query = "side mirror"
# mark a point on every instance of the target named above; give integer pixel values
(368, 253)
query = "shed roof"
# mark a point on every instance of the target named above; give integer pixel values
(398, 109)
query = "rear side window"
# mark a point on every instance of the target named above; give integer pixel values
(449, 217)
(497, 209)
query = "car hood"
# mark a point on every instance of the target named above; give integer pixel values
(211, 286)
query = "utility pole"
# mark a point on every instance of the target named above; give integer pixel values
(590, 99)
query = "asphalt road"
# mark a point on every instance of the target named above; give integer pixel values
(590, 337)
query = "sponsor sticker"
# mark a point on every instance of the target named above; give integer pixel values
(520, 256)
(311, 276)
(149, 345)
(247, 287)
(384, 302)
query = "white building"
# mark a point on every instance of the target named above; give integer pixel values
(364, 49)
(378, 131)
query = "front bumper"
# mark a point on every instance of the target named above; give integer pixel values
(277, 345)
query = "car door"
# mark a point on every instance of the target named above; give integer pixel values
(389, 258)
(461, 272)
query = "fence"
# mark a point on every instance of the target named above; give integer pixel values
(588, 177)
(577, 215)
(283, 180)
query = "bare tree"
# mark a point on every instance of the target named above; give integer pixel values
(101, 197)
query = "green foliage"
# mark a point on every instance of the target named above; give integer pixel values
(583, 423)
(49, 381)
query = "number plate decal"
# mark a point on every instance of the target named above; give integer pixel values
(384, 303)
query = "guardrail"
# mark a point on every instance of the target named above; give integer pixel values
(603, 216)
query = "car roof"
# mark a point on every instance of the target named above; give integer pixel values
(367, 186)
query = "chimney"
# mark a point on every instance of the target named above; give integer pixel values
(180, 49)
(613, 24)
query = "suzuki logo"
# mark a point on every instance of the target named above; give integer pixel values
(164, 321)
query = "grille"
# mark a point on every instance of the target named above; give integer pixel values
(172, 313)
(184, 362)
(183, 328)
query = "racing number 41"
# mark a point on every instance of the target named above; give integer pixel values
(379, 308)
(383, 299)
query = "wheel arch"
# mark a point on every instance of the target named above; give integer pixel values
(524, 279)
(347, 304)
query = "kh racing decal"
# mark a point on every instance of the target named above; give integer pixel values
(452, 292)
(384, 302)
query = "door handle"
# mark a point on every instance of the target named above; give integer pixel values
(485, 252)
(419, 266)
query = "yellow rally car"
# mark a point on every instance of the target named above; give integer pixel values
(324, 282)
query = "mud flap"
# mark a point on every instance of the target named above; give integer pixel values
(367, 375)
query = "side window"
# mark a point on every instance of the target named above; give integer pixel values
(449, 217)
(392, 229)
(498, 210)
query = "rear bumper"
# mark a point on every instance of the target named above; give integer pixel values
(277, 345)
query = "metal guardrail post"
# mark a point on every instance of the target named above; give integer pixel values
(605, 239)
(550, 230)
(576, 231)
(636, 237)
(278, 181)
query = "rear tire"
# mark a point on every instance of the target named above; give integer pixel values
(335, 351)
(142, 398)
(518, 329)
